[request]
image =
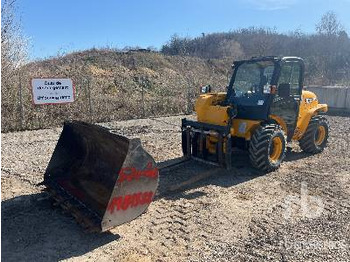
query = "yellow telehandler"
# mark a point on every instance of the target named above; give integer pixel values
(264, 107)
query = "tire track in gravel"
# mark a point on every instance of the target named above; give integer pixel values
(164, 231)
(171, 221)
(273, 238)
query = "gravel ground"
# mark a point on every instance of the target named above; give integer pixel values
(299, 213)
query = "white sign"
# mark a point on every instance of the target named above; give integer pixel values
(52, 91)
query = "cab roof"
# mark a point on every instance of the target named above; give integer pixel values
(270, 58)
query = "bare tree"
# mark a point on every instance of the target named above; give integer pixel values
(13, 56)
(230, 48)
(332, 45)
(13, 43)
(329, 25)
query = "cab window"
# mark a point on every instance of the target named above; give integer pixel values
(290, 74)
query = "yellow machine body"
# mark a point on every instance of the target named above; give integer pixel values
(265, 107)
(309, 107)
(210, 111)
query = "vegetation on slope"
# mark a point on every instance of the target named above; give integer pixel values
(326, 52)
(113, 85)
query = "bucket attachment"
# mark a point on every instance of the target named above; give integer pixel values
(101, 178)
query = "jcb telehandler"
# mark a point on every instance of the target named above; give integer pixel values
(264, 107)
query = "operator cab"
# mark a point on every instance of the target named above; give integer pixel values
(263, 86)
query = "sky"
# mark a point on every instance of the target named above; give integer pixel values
(56, 27)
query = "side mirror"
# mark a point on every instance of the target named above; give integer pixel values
(284, 90)
(205, 89)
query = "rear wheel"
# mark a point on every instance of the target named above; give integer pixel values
(316, 136)
(267, 147)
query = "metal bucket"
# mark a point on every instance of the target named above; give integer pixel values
(101, 178)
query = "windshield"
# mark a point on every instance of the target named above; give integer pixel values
(252, 78)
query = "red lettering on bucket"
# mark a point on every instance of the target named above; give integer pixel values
(127, 201)
(130, 173)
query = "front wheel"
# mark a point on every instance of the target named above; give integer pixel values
(267, 147)
(316, 136)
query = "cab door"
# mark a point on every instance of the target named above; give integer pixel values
(286, 104)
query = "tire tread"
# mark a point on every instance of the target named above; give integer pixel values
(258, 147)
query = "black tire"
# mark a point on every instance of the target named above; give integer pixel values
(313, 141)
(263, 153)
